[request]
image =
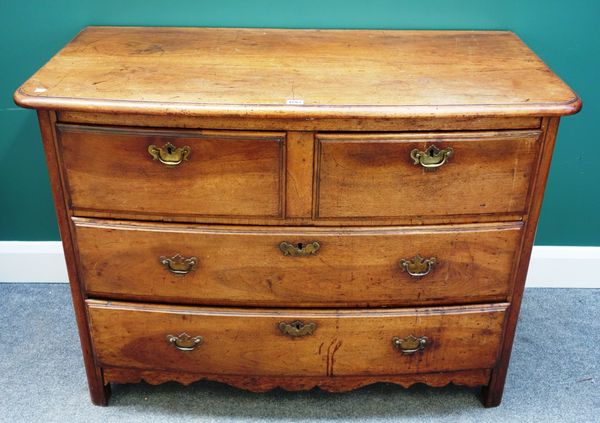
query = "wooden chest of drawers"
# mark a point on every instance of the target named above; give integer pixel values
(297, 208)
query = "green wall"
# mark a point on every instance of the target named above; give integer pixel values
(565, 34)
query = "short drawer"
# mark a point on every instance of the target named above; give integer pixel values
(267, 266)
(420, 176)
(295, 342)
(173, 172)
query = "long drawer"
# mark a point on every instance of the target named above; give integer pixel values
(295, 342)
(297, 267)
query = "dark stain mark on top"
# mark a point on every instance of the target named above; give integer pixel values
(150, 49)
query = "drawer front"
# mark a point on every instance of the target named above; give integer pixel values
(249, 266)
(381, 176)
(295, 342)
(231, 174)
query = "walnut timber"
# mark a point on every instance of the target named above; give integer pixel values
(297, 208)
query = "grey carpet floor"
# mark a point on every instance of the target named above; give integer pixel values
(554, 375)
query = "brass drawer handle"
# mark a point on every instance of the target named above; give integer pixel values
(297, 329)
(169, 155)
(409, 345)
(432, 157)
(178, 264)
(184, 342)
(299, 249)
(418, 266)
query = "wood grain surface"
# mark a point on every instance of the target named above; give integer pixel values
(249, 342)
(298, 73)
(471, 378)
(245, 267)
(99, 392)
(227, 173)
(492, 393)
(373, 176)
(430, 123)
(297, 136)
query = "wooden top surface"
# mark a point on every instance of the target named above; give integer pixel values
(334, 73)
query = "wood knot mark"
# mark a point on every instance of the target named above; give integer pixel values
(149, 49)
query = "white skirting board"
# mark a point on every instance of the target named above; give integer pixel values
(32, 261)
(551, 267)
